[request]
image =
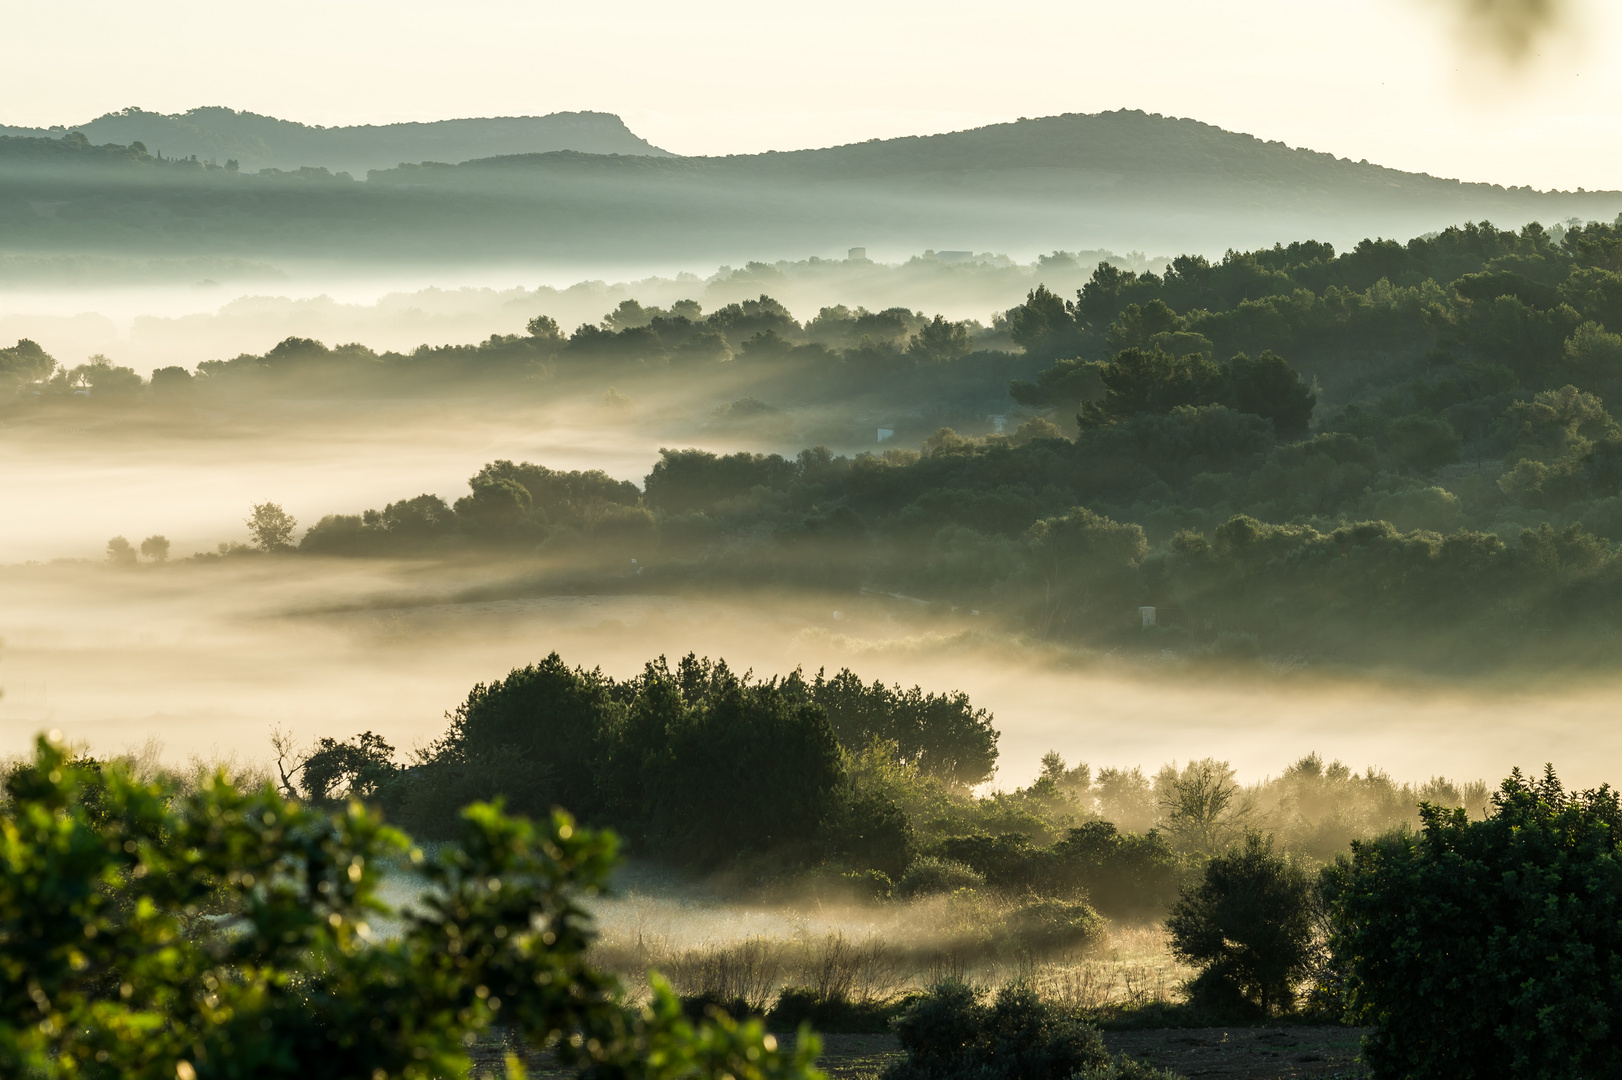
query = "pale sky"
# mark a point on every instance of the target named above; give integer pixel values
(1386, 80)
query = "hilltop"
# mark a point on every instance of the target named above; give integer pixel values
(259, 142)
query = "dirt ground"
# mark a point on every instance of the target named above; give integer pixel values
(1244, 1053)
(1260, 1053)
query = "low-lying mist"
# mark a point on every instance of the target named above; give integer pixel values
(209, 657)
(150, 315)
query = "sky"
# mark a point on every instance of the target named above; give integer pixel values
(1392, 81)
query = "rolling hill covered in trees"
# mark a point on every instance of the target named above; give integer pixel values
(1130, 180)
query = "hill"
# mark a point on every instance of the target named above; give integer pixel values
(1121, 180)
(259, 142)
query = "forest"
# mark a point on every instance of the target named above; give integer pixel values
(1397, 455)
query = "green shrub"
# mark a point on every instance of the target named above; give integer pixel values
(711, 1004)
(871, 832)
(1248, 925)
(106, 971)
(931, 875)
(1125, 874)
(834, 1012)
(1488, 948)
(950, 1034)
(1041, 927)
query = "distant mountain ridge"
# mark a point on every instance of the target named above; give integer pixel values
(1123, 180)
(258, 142)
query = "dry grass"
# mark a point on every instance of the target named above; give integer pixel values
(1135, 968)
(876, 953)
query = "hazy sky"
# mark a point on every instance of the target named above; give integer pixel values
(1383, 79)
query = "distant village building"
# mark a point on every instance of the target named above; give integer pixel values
(886, 433)
(1147, 614)
(857, 255)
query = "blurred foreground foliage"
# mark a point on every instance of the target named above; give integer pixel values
(149, 935)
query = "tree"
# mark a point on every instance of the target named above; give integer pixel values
(1035, 428)
(107, 379)
(119, 552)
(942, 735)
(939, 341)
(271, 527)
(1082, 561)
(1487, 948)
(343, 770)
(1203, 804)
(106, 970)
(1045, 326)
(1248, 925)
(498, 510)
(1267, 387)
(544, 327)
(156, 548)
(24, 363)
(1065, 385)
(170, 382)
(1152, 381)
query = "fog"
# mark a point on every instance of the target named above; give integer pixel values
(151, 325)
(208, 657)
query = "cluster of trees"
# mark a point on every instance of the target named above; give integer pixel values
(1517, 905)
(757, 345)
(28, 370)
(692, 763)
(698, 766)
(1067, 539)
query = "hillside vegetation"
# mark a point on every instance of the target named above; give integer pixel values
(1106, 178)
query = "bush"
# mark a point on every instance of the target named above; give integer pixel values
(1125, 874)
(1043, 927)
(1247, 924)
(106, 970)
(930, 875)
(949, 1034)
(870, 831)
(835, 1012)
(711, 1004)
(1488, 948)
